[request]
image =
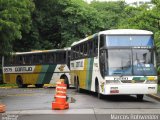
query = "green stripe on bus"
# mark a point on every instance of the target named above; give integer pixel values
(49, 74)
(89, 73)
(42, 74)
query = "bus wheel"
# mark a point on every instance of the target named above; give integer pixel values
(38, 85)
(99, 95)
(19, 82)
(65, 80)
(140, 97)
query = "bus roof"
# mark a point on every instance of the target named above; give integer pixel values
(117, 32)
(126, 32)
(41, 51)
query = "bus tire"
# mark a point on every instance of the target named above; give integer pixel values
(99, 95)
(19, 82)
(140, 97)
(65, 80)
(39, 85)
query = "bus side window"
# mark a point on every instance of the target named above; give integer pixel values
(74, 53)
(44, 58)
(60, 57)
(30, 59)
(95, 46)
(85, 49)
(50, 58)
(56, 58)
(78, 52)
(81, 50)
(19, 60)
(71, 55)
(39, 59)
(102, 41)
(64, 57)
(23, 60)
(13, 60)
(34, 59)
(90, 48)
(27, 59)
(68, 58)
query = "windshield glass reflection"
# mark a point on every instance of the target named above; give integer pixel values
(142, 62)
(130, 62)
(119, 62)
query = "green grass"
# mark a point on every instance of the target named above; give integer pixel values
(8, 85)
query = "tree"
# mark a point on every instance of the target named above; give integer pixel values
(78, 20)
(110, 13)
(15, 17)
(156, 15)
(58, 23)
(143, 18)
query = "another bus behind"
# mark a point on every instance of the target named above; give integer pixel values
(37, 67)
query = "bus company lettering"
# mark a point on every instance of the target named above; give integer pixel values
(19, 69)
(79, 64)
(121, 78)
(7, 69)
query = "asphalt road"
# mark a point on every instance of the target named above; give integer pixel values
(35, 104)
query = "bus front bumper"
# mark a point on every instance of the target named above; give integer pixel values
(113, 89)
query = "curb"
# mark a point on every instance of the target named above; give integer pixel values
(154, 96)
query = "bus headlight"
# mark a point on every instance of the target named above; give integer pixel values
(151, 78)
(151, 82)
(112, 81)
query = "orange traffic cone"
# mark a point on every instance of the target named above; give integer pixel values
(60, 102)
(2, 108)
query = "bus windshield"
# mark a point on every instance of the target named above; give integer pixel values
(130, 62)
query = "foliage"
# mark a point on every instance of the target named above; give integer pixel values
(78, 20)
(57, 23)
(15, 18)
(143, 18)
(49, 24)
(110, 13)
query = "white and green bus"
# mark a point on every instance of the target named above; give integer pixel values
(37, 67)
(113, 62)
